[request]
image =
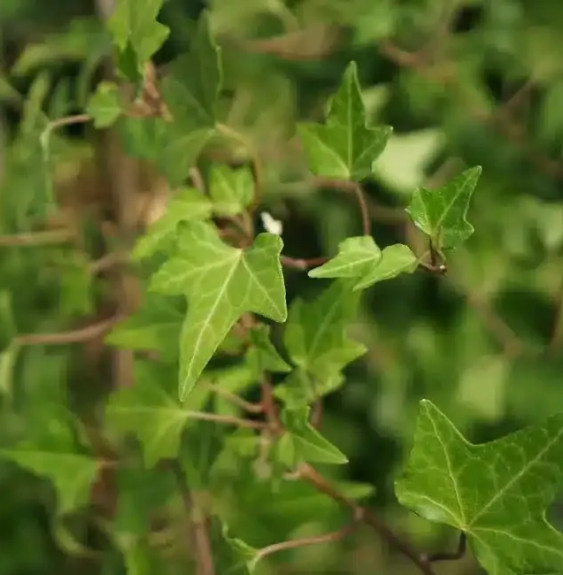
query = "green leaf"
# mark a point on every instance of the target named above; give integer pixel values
(136, 33)
(188, 204)
(263, 354)
(497, 493)
(302, 442)
(231, 189)
(150, 412)
(361, 258)
(156, 325)
(221, 284)
(315, 335)
(299, 388)
(105, 105)
(441, 213)
(72, 474)
(345, 147)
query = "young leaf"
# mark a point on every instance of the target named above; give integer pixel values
(302, 442)
(263, 355)
(361, 258)
(441, 213)
(315, 335)
(72, 474)
(345, 147)
(497, 493)
(105, 105)
(187, 204)
(221, 284)
(155, 326)
(230, 189)
(149, 412)
(136, 33)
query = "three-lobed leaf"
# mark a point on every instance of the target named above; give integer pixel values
(221, 283)
(442, 213)
(345, 147)
(360, 258)
(497, 493)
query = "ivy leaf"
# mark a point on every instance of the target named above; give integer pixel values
(136, 33)
(361, 258)
(188, 204)
(263, 354)
(315, 335)
(299, 388)
(345, 147)
(150, 412)
(156, 325)
(72, 474)
(230, 189)
(105, 105)
(497, 493)
(221, 283)
(441, 214)
(302, 442)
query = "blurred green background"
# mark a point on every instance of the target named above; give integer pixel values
(463, 83)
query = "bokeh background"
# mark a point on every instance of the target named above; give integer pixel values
(463, 83)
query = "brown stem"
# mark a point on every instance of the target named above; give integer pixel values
(108, 261)
(451, 555)
(198, 533)
(367, 516)
(235, 399)
(306, 541)
(226, 419)
(81, 335)
(68, 121)
(269, 404)
(302, 264)
(37, 238)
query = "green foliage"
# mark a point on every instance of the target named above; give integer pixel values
(152, 378)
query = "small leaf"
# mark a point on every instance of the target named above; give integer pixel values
(72, 474)
(155, 326)
(150, 412)
(231, 190)
(361, 258)
(188, 204)
(105, 105)
(137, 33)
(441, 213)
(221, 284)
(345, 147)
(315, 335)
(497, 493)
(302, 442)
(263, 354)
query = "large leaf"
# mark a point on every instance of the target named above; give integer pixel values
(361, 258)
(221, 284)
(497, 493)
(136, 33)
(441, 213)
(344, 147)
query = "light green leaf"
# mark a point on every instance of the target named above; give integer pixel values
(221, 284)
(302, 442)
(136, 33)
(105, 105)
(263, 355)
(441, 213)
(315, 335)
(395, 260)
(72, 474)
(345, 147)
(156, 325)
(299, 388)
(188, 204)
(497, 493)
(150, 412)
(231, 189)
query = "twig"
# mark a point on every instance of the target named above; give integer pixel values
(451, 555)
(305, 541)
(37, 238)
(107, 262)
(235, 399)
(68, 121)
(81, 335)
(310, 474)
(226, 419)
(302, 264)
(199, 534)
(269, 404)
